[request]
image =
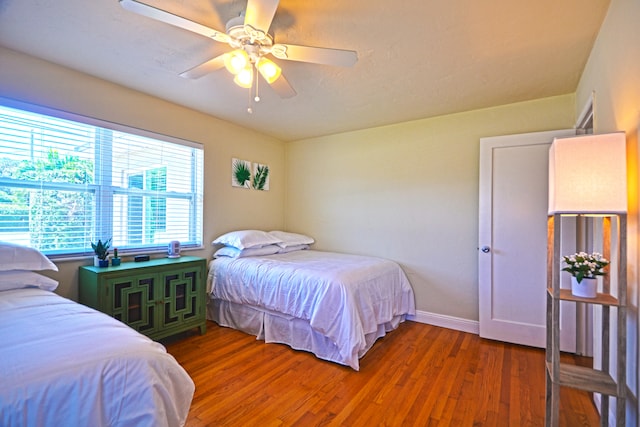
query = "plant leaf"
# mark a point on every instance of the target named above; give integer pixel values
(260, 177)
(241, 173)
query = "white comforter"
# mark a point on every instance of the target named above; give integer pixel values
(344, 297)
(64, 364)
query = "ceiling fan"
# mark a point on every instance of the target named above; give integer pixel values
(251, 42)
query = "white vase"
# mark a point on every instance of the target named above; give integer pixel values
(587, 288)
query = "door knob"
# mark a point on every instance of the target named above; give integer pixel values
(485, 249)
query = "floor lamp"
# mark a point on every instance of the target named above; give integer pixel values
(588, 176)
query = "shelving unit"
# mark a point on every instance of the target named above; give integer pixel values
(158, 298)
(594, 380)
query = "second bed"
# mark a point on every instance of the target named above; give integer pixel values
(331, 304)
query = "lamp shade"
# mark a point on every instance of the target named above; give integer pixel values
(588, 174)
(245, 77)
(236, 61)
(269, 70)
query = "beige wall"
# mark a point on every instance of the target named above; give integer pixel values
(409, 192)
(225, 208)
(612, 75)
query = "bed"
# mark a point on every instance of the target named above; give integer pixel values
(63, 363)
(333, 305)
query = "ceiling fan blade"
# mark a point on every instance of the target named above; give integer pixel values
(282, 87)
(204, 68)
(316, 55)
(260, 13)
(170, 18)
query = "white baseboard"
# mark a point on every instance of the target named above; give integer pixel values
(457, 323)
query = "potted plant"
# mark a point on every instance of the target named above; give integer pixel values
(115, 261)
(584, 268)
(101, 249)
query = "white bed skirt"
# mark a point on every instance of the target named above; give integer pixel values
(279, 328)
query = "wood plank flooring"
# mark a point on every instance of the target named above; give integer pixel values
(418, 375)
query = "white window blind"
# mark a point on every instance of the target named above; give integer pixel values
(67, 181)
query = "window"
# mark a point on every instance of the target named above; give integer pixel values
(145, 217)
(67, 181)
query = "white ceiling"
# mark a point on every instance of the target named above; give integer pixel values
(416, 58)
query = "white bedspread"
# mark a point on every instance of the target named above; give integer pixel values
(64, 364)
(344, 297)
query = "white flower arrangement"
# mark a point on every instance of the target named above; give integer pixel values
(583, 265)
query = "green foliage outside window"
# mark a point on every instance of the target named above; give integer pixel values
(52, 217)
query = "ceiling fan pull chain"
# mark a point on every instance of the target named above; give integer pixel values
(254, 96)
(257, 97)
(250, 107)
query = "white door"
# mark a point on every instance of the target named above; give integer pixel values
(512, 255)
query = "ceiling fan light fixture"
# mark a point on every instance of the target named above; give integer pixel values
(236, 61)
(268, 69)
(245, 77)
(248, 37)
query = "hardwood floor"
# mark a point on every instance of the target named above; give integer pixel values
(417, 375)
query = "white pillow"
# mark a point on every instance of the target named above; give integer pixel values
(18, 257)
(229, 251)
(17, 279)
(243, 239)
(291, 239)
(293, 248)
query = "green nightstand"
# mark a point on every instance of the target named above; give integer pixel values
(158, 298)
